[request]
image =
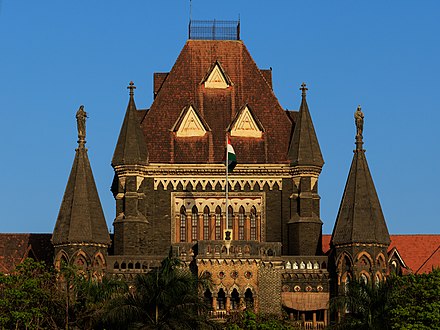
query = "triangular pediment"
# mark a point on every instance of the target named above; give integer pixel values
(246, 124)
(217, 78)
(190, 124)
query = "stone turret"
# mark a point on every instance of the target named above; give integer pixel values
(360, 237)
(129, 158)
(81, 236)
(305, 225)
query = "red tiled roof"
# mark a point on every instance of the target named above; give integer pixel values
(183, 86)
(14, 248)
(419, 252)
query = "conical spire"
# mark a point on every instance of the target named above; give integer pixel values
(131, 148)
(81, 219)
(360, 218)
(304, 147)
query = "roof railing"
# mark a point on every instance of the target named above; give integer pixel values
(214, 30)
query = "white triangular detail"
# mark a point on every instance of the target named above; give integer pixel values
(191, 125)
(245, 125)
(216, 79)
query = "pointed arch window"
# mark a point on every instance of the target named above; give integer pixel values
(241, 217)
(253, 218)
(230, 217)
(206, 223)
(194, 223)
(182, 224)
(218, 223)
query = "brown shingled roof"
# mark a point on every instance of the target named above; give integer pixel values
(14, 248)
(183, 86)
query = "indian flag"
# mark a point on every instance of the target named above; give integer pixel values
(231, 158)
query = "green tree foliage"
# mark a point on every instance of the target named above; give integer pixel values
(86, 298)
(165, 298)
(248, 320)
(28, 299)
(364, 306)
(416, 302)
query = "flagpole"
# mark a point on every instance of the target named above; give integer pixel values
(227, 188)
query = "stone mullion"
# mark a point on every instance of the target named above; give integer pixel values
(201, 228)
(177, 224)
(188, 226)
(247, 228)
(258, 227)
(235, 227)
(212, 227)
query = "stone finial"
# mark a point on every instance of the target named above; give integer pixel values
(303, 89)
(81, 117)
(131, 87)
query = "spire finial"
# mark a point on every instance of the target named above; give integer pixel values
(131, 87)
(359, 121)
(304, 89)
(81, 117)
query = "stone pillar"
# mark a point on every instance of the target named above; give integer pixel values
(314, 320)
(188, 226)
(212, 227)
(177, 222)
(247, 228)
(235, 228)
(325, 317)
(201, 228)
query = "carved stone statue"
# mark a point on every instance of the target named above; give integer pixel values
(359, 121)
(81, 116)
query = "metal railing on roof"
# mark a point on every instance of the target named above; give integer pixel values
(214, 30)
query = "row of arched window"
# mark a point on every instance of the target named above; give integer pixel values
(209, 226)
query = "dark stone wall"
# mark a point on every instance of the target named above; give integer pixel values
(269, 295)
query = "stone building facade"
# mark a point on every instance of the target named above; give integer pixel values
(170, 183)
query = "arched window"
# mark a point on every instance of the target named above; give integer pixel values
(241, 223)
(230, 217)
(235, 299)
(206, 223)
(182, 224)
(249, 299)
(194, 223)
(208, 298)
(253, 217)
(221, 299)
(364, 278)
(218, 223)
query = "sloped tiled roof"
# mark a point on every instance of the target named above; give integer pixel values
(14, 248)
(360, 218)
(419, 252)
(183, 86)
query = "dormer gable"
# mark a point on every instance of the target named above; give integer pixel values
(190, 123)
(216, 77)
(246, 124)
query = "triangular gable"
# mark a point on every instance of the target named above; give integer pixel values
(216, 77)
(246, 124)
(190, 123)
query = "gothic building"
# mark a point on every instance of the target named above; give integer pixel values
(170, 183)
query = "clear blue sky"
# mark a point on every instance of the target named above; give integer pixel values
(384, 55)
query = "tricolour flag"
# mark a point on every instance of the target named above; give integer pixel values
(232, 159)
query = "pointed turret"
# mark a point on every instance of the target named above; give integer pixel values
(81, 223)
(305, 225)
(360, 218)
(131, 224)
(360, 237)
(304, 147)
(131, 148)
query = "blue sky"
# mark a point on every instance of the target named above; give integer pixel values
(56, 55)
